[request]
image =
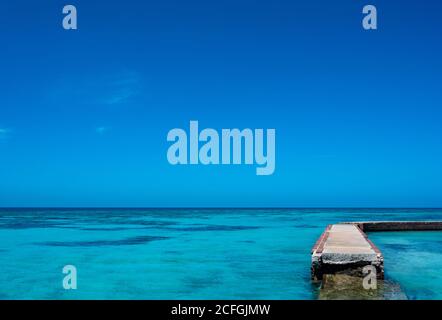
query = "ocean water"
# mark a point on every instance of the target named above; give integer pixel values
(196, 254)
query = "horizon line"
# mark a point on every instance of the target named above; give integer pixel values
(215, 208)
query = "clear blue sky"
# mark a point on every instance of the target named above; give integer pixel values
(84, 114)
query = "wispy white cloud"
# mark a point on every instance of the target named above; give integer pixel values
(4, 133)
(122, 88)
(101, 130)
(120, 96)
(109, 89)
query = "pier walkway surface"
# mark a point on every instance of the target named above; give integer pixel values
(345, 248)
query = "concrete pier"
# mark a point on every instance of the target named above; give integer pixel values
(344, 248)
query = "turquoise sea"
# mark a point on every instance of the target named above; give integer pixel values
(196, 253)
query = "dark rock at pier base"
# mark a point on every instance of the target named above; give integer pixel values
(347, 287)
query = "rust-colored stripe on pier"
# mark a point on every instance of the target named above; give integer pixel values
(373, 246)
(319, 245)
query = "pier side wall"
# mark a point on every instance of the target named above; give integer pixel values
(374, 226)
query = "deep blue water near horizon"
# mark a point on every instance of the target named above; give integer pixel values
(196, 253)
